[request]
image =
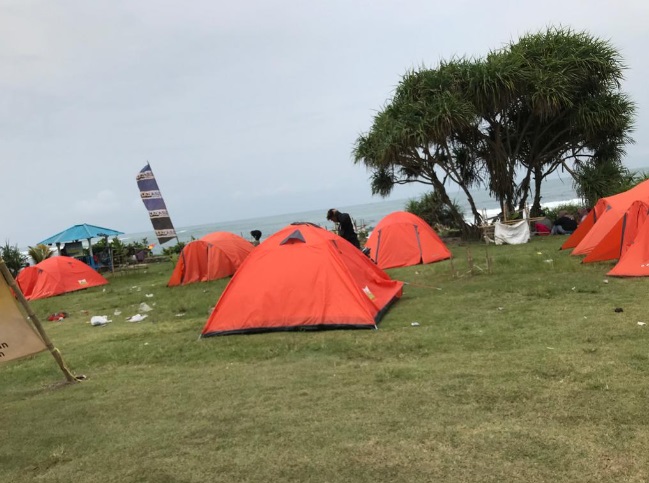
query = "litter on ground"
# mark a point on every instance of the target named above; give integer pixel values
(96, 320)
(144, 307)
(137, 318)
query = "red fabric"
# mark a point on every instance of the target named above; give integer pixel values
(402, 239)
(217, 255)
(55, 276)
(303, 276)
(541, 229)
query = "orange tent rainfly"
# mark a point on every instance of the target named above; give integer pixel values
(402, 239)
(303, 277)
(634, 261)
(584, 227)
(217, 255)
(621, 235)
(608, 212)
(55, 276)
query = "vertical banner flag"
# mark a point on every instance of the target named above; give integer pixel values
(150, 194)
(17, 336)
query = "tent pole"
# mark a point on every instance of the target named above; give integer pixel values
(110, 254)
(37, 323)
(92, 260)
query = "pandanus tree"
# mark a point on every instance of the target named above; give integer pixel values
(39, 252)
(420, 136)
(570, 111)
(549, 101)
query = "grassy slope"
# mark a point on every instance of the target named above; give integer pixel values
(525, 374)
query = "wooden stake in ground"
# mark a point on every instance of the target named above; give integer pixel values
(453, 271)
(469, 260)
(488, 258)
(37, 323)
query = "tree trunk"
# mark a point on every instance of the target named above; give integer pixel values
(538, 179)
(477, 217)
(524, 189)
(466, 229)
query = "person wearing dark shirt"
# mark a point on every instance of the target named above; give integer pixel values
(256, 235)
(345, 226)
(564, 224)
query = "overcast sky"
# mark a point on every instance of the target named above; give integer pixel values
(244, 109)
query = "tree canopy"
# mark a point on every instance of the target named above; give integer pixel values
(504, 122)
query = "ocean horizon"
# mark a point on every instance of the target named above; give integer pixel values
(555, 191)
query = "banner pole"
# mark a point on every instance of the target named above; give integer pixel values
(37, 323)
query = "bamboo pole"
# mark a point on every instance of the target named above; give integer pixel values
(453, 271)
(488, 258)
(37, 323)
(469, 260)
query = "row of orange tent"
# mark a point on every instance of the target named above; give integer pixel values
(305, 277)
(616, 228)
(302, 277)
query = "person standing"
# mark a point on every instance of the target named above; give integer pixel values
(345, 226)
(256, 235)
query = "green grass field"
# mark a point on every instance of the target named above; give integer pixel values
(523, 374)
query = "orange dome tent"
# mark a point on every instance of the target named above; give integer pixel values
(402, 239)
(303, 277)
(214, 256)
(55, 276)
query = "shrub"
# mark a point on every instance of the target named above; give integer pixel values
(175, 249)
(553, 213)
(13, 258)
(39, 253)
(437, 214)
(595, 181)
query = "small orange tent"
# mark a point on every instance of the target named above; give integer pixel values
(214, 256)
(621, 235)
(55, 276)
(303, 277)
(402, 239)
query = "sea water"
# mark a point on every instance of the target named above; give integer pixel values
(555, 191)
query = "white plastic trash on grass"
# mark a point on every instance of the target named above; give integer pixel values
(96, 320)
(144, 307)
(137, 318)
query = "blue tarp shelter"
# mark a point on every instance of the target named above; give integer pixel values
(81, 232)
